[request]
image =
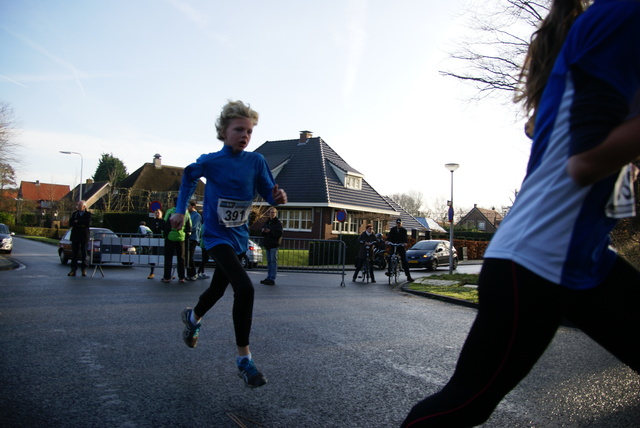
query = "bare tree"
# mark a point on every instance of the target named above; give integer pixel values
(411, 202)
(9, 146)
(490, 56)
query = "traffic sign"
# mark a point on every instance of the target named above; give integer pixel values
(154, 206)
(341, 215)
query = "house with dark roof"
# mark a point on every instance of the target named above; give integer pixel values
(319, 184)
(481, 219)
(92, 194)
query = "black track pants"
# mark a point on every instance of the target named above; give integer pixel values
(229, 271)
(518, 316)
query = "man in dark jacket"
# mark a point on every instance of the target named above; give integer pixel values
(398, 235)
(272, 232)
(367, 242)
(80, 223)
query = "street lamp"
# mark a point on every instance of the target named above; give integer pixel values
(451, 167)
(81, 164)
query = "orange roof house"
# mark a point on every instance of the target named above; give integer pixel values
(42, 192)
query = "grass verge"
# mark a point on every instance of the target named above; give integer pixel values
(50, 241)
(456, 290)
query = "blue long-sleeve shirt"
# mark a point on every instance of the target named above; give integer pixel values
(232, 181)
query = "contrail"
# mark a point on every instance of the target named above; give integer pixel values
(43, 51)
(13, 81)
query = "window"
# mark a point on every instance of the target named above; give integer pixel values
(350, 225)
(297, 220)
(481, 225)
(353, 182)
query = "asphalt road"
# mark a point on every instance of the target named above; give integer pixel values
(107, 352)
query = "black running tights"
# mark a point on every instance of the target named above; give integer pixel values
(229, 271)
(517, 318)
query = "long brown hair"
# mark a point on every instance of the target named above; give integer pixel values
(544, 47)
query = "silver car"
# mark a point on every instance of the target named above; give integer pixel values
(6, 239)
(251, 259)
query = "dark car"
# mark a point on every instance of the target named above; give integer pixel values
(93, 246)
(430, 254)
(6, 239)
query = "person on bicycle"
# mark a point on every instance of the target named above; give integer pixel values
(398, 235)
(367, 241)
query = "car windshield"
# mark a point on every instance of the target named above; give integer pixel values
(98, 234)
(425, 245)
(4, 229)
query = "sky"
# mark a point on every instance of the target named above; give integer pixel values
(136, 78)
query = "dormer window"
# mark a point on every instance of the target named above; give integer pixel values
(353, 182)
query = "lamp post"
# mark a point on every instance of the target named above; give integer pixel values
(81, 164)
(451, 167)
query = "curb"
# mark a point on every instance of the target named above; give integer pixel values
(8, 264)
(440, 297)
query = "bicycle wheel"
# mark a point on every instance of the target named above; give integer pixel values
(365, 271)
(396, 270)
(392, 267)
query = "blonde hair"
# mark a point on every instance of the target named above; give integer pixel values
(544, 48)
(234, 110)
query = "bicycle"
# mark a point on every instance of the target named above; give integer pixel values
(394, 263)
(366, 266)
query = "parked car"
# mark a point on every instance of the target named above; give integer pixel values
(430, 254)
(93, 246)
(6, 239)
(249, 260)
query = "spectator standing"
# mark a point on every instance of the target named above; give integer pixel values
(233, 177)
(80, 223)
(194, 239)
(586, 135)
(174, 241)
(398, 235)
(157, 224)
(157, 227)
(367, 242)
(272, 232)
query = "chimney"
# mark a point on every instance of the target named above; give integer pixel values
(156, 161)
(304, 136)
(89, 181)
(37, 182)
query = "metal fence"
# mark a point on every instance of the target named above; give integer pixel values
(307, 255)
(294, 255)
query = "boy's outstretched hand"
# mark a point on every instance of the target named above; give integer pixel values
(279, 195)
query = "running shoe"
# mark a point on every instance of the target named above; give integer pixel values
(203, 276)
(249, 373)
(150, 276)
(191, 331)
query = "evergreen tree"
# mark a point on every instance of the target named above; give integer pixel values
(110, 169)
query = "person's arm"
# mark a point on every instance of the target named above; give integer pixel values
(620, 147)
